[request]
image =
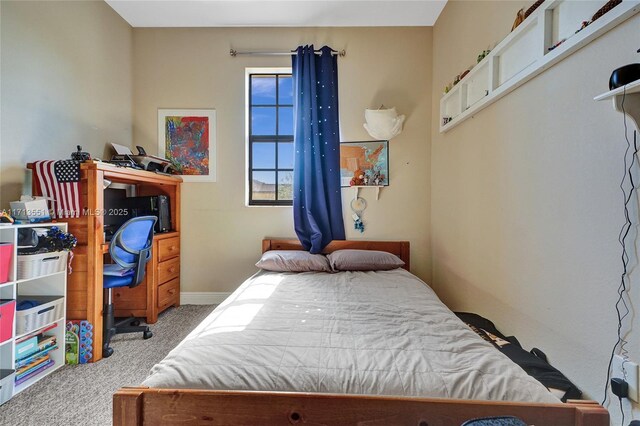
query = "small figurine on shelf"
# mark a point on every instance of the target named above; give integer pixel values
(584, 25)
(5, 217)
(519, 19)
(557, 44)
(358, 178)
(366, 179)
(377, 178)
(483, 54)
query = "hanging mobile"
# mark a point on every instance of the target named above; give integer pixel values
(357, 206)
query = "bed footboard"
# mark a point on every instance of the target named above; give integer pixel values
(149, 406)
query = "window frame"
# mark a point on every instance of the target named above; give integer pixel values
(251, 140)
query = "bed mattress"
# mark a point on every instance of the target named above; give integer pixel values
(380, 333)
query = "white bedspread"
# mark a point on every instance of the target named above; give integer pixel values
(381, 333)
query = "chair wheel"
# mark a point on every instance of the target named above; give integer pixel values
(135, 323)
(107, 352)
(147, 335)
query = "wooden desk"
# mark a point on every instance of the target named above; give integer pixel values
(161, 287)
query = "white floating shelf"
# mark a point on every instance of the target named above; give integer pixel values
(357, 190)
(626, 99)
(633, 87)
(524, 54)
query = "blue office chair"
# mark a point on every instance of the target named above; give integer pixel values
(130, 249)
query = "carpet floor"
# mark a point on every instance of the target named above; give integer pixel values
(82, 394)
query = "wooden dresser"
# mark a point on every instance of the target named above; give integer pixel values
(161, 286)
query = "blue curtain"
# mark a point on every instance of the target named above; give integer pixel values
(317, 200)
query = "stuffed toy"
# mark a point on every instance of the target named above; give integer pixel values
(358, 178)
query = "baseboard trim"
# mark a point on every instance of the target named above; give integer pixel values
(202, 297)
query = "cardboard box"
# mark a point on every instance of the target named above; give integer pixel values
(30, 209)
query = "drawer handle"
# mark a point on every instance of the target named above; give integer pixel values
(172, 269)
(172, 248)
(46, 310)
(172, 291)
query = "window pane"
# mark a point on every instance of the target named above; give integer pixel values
(264, 186)
(285, 155)
(263, 121)
(264, 155)
(285, 90)
(285, 185)
(263, 90)
(285, 121)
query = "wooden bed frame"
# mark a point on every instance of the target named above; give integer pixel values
(138, 406)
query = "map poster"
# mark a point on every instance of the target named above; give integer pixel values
(364, 163)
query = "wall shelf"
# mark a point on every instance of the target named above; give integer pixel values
(524, 54)
(357, 190)
(630, 94)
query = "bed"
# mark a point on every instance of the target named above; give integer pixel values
(344, 348)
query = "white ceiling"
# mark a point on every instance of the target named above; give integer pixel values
(280, 13)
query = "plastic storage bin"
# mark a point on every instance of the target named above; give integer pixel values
(37, 265)
(7, 311)
(50, 309)
(6, 385)
(6, 251)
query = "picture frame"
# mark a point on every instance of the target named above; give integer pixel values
(187, 138)
(370, 157)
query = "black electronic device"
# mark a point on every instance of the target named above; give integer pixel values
(124, 160)
(624, 75)
(154, 205)
(116, 210)
(80, 155)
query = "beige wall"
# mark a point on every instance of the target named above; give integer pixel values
(526, 207)
(191, 68)
(65, 78)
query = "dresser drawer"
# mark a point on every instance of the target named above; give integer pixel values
(168, 293)
(168, 248)
(168, 270)
(130, 298)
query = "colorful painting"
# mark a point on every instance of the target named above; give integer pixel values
(364, 163)
(187, 139)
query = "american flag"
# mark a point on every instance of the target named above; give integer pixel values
(59, 181)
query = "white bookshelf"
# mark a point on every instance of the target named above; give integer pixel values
(525, 53)
(47, 285)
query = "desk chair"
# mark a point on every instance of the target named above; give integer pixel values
(130, 249)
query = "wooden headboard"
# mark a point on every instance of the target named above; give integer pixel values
(399, 248)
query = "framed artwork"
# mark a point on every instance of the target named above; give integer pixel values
(364, 163)
(187, 138)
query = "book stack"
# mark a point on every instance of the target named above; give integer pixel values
(32, 364)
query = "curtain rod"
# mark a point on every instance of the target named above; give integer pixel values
(235, 53)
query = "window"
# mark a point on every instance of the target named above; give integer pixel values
(270, 129)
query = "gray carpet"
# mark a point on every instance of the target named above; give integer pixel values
(81, 395)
